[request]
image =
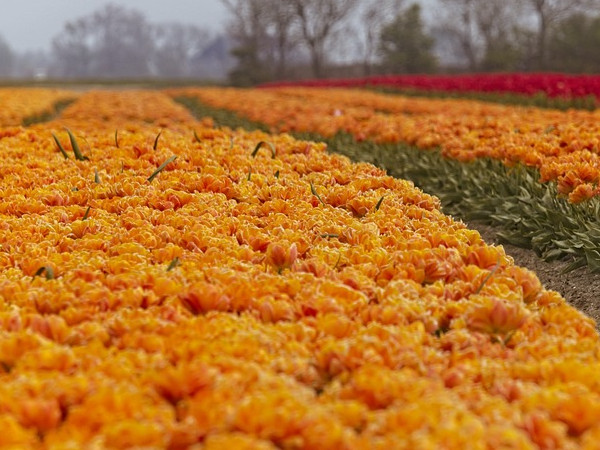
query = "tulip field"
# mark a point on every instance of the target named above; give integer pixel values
(538, 178)
(170, 282)
(541, 89)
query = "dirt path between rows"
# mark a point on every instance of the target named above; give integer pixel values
(580, 287)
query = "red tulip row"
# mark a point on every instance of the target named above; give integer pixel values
(550, 84)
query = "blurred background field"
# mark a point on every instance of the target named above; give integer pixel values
(248, 42)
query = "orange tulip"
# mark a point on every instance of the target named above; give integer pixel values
(204, 297)
(163, 323)
(496, 316)
(43, 414)
(281, 256)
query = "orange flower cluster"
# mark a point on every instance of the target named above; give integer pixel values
(270, 296)
(20, 103)
(564, 146)
(138, 106)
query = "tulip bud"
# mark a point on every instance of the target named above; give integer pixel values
(281, 257)
(497, 317)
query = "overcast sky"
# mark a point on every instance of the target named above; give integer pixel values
(32, 24)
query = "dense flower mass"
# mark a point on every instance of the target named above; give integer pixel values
(564, 146)
(550, 84)
(24, 103)
(262, 296)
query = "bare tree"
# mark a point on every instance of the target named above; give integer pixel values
(282, 32)
(548, 13)
(318, 20)
(266, 34)
(374, 14)
(176, 45)
(112, 42)
(123, 42)
(497, 23)
(459, 23)
(247, 28)
(483, 33)
(72, 51)
(7, 59)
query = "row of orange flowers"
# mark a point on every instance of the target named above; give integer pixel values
(19, 104)
(564, 146)
(262, 296)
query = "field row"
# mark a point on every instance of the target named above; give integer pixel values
(25, 105)
(165, 283)
(538, 182)
(540, 89)
(564, 146)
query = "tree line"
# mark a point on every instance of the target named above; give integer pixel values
(119, 43)
(298, 38)
(266, 40)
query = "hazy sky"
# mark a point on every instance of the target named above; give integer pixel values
(32, 24)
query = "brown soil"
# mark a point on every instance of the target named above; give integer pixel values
(580, 287)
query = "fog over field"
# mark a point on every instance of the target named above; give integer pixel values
(32, 24)
(248, 42)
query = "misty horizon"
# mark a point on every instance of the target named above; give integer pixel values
(30, 26)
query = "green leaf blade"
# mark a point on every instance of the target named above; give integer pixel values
(155, 146)
(264, 143)
(174, 263)
(87, 213)
(60, 147)
(76, 150)
(47, 269)
(161, 168)
(315, 193)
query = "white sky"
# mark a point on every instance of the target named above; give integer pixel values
(32, 24)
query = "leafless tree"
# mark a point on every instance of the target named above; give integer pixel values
(548, 13)
(247, 28)
(283, 33)
(498, 22)
(248, 20)
(373, 16)
(459, 23)
(112, 42)
(318, 20)
(176, 45)
(72, 51)
(123, 42)
(7, 59)
(483, 32)
(266, 35)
